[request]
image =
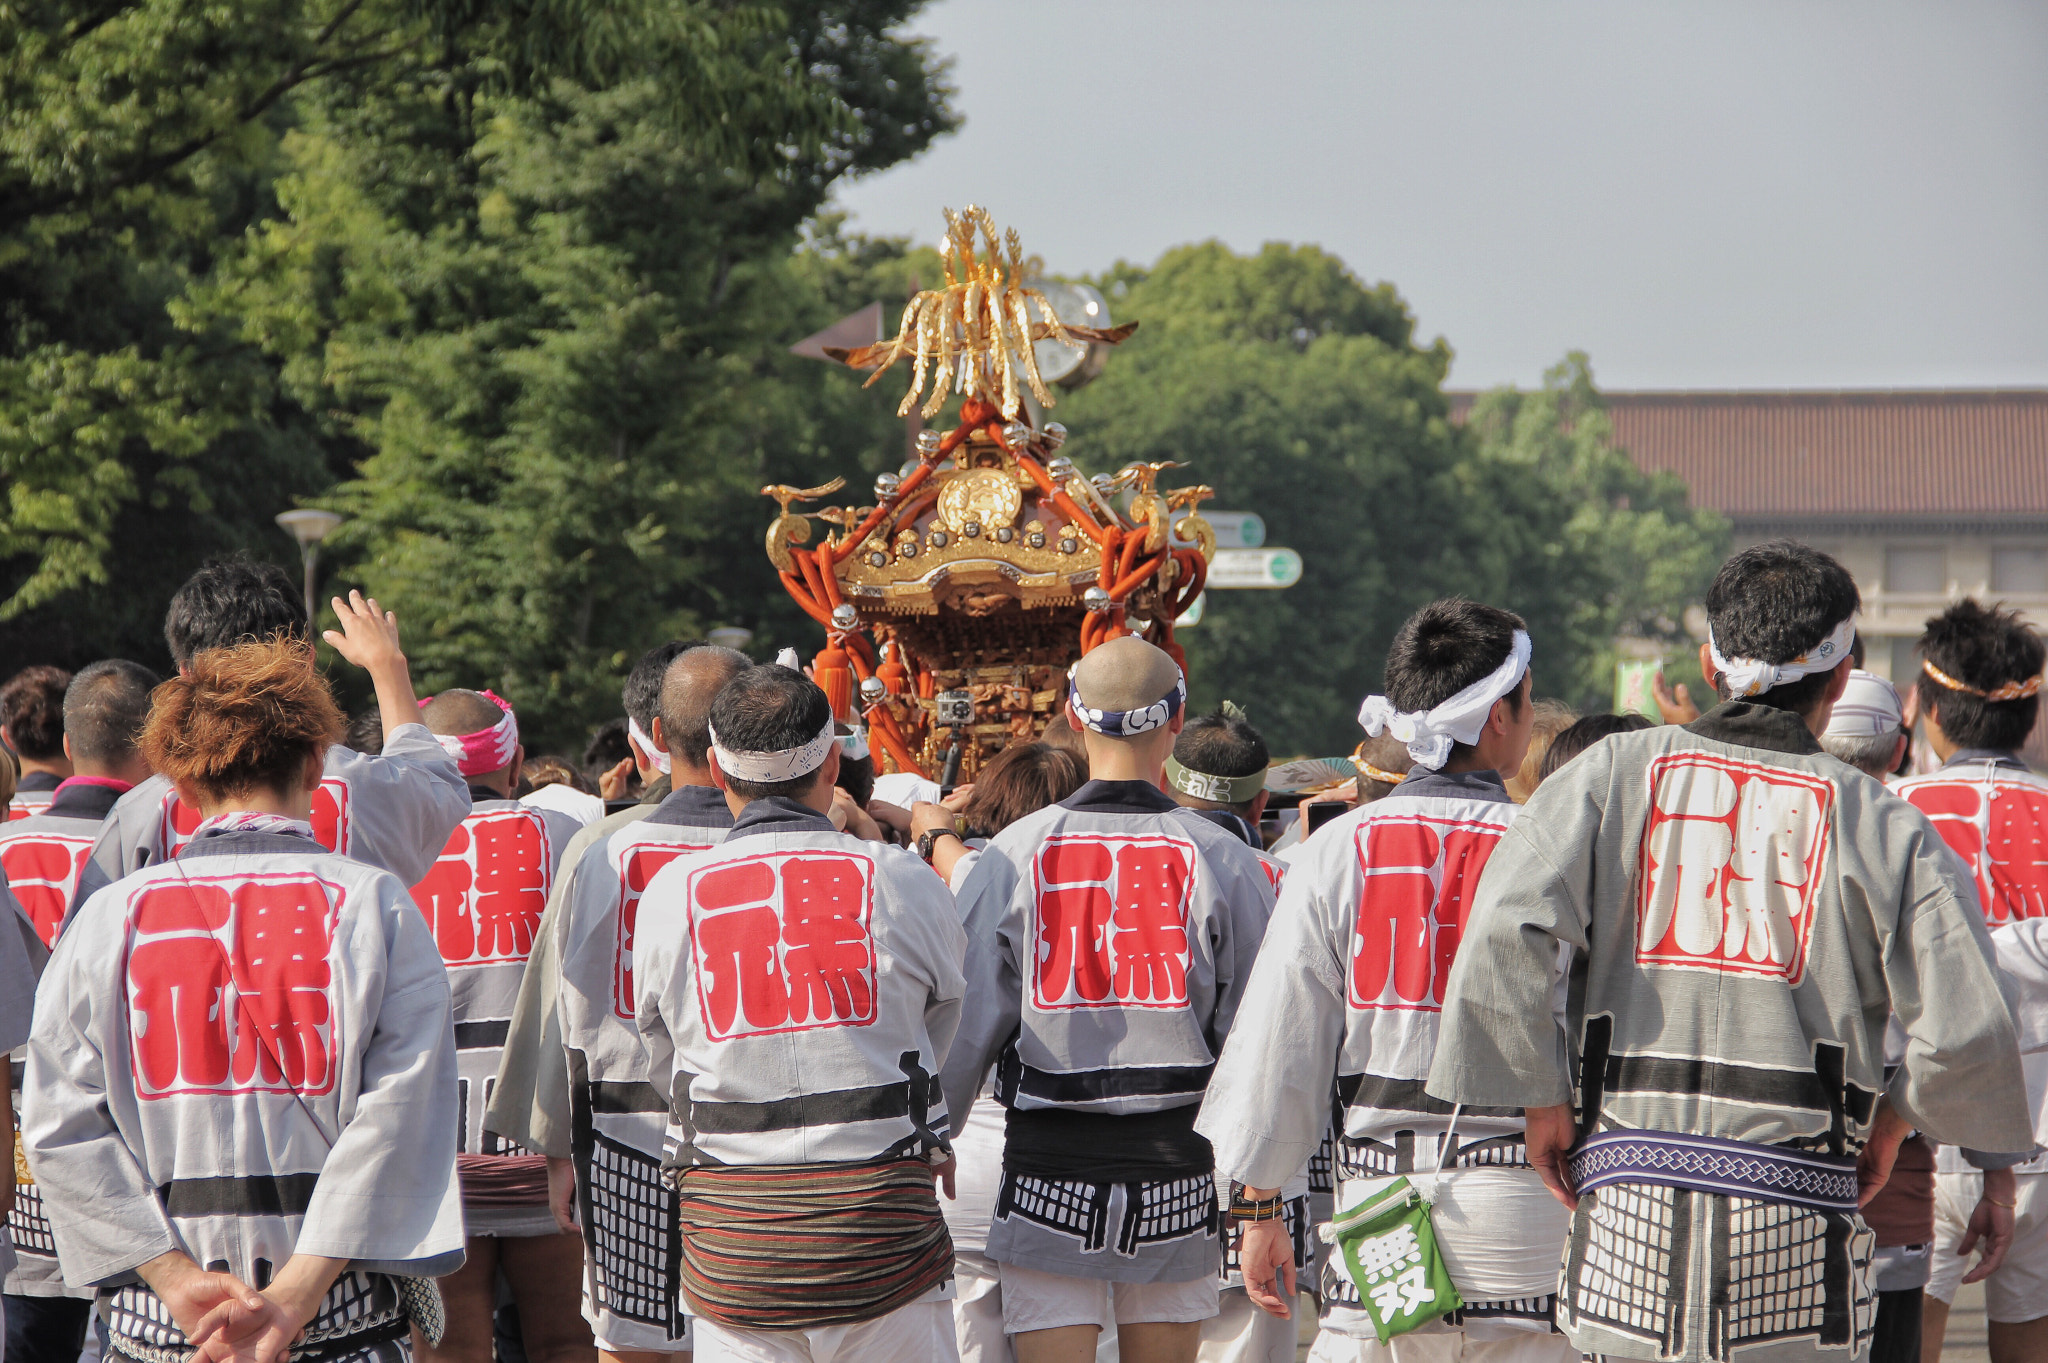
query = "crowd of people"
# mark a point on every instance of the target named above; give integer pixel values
(1724, 1038)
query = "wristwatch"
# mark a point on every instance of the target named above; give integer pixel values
(928, 841)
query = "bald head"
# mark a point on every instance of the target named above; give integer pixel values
(689, 686)
(456, 712)
(1125, 674)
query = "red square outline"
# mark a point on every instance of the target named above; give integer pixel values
(1183, 845)
(866, 920)
(1816, 860)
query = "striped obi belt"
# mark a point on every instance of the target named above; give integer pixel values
(1710, 1164)
(797, 1246)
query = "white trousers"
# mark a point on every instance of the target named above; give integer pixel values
(1446, 1346)
(978, 1310)
(1240, 1332)
(909, 1334)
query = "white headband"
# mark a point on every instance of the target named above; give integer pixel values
(766, 768)
(1747, 677)
(637, 736)
(1868, 708)
(1431, 733)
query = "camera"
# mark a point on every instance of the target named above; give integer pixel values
(953, 708)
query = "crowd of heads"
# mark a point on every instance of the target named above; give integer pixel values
(247, 708)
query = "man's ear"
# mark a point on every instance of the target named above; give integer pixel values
(717, 772)
(1707, 668)
(518, 761)
(316, 767)
(1259, 806)
(654, 732)
(67, 749)
(1838, 680)
(1177, 722)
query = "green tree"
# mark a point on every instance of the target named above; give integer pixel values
(1596, 550)
(552, 324)
(1299, 392)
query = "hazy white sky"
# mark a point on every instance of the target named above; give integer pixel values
(1699, 194)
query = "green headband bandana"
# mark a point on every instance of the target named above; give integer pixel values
(1224, 790)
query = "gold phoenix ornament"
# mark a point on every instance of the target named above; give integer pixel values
(978, 329)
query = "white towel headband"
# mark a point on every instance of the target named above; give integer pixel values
(637, 736)
(766, 768)
(1431, 733)
(1745, 677)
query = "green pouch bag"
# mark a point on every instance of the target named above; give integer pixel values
(1390, 1251)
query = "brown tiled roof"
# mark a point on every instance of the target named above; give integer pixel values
(1868, 454)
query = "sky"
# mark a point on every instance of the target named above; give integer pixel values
(1699, 195)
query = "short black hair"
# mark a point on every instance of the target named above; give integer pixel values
(366, 733)
(642, 691)
(104, 710)
(608, 746)
(857, 777)
(32, 708)
(769, 708)
(1985, 647)
(1444, 648)
(1773, 602)
(1223, 744)
(1583, 735)
(233, 601)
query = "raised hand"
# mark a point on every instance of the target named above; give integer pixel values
(1675, 704)
(368, 637)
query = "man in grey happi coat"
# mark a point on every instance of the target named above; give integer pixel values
(1744, 912)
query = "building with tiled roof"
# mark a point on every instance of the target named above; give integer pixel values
(1925, 495)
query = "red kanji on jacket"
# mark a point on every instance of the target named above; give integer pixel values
(484, 896)
(1731, 859)
(42, 870)
(1420, 875)
(637, 862)
(1110, 922)
(228, 983)
(330, 819)
(1998, 825)
(780, 942)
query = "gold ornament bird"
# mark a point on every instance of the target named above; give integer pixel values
(974, 335)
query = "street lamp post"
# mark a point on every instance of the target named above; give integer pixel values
(309, 527)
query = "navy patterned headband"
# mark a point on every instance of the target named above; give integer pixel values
(1129, 723)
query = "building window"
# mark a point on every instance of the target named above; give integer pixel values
(1916, 570)
(2023, 572)
(1905, 661)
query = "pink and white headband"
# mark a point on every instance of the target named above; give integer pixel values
(637, 736)
(486, 750)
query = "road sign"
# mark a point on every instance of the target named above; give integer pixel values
(1236, 529)
(1243, 568)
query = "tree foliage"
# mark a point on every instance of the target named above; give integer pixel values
(1300, 393)
(511, 284)
(518, 274)
(139, 142)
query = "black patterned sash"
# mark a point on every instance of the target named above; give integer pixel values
(1711, 1164)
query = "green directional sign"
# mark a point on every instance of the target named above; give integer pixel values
(1236, 529)
(1254, 568)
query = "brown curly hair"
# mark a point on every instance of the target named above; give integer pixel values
(243, 718)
